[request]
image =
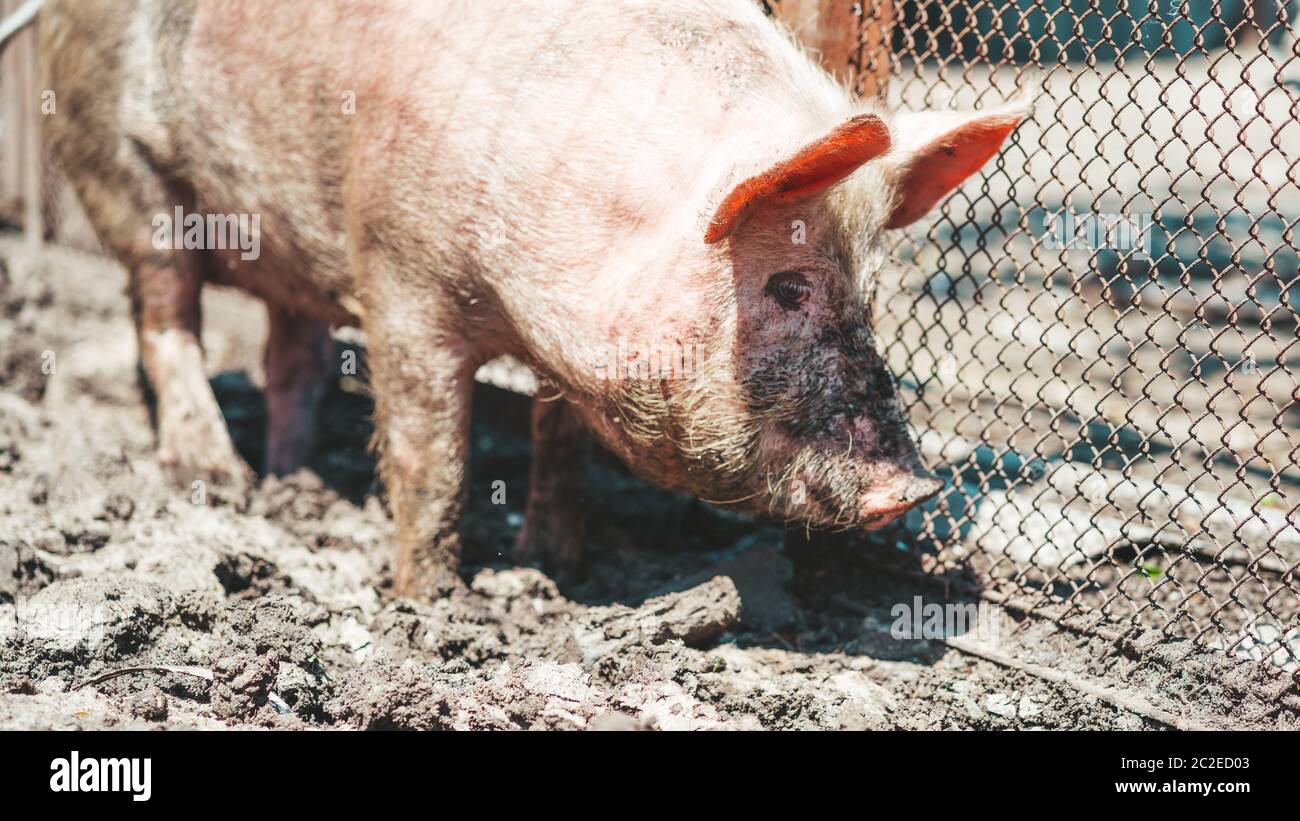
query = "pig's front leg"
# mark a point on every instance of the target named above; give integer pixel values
(423, 380)
(555, 518)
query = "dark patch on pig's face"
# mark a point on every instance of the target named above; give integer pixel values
(833, 425)
(813, 382)
(818, 385)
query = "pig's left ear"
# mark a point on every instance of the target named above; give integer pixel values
(938, 150)
(812, 170)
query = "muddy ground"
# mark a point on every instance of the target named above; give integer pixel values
(272, 608)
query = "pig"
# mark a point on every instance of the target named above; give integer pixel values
(575, 183)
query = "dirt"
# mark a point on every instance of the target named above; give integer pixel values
(272, 607)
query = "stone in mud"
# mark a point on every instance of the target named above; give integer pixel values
(148, 705)
(241, 684)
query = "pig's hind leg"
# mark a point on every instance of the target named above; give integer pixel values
(554, 528)
(298, 353)
(165, 287)
(115, 153)
(193, 441)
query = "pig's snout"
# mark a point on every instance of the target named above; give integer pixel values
(892, 497)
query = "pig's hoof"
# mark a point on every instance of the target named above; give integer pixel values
(227, 472)
(431, 585)
(195, 448)
(557, 551)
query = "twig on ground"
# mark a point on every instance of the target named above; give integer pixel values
(197, 672)
(1122, 701)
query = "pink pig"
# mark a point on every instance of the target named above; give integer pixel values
(582, 184)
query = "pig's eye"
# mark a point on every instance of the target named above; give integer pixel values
(790, 289)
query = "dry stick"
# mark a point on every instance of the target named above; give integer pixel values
(1132, 704)
(1056, 612)
(197, 672)
(1060, 613)
(1115, 698)
(1078, 624)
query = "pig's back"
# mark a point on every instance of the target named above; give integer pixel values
(562, 121)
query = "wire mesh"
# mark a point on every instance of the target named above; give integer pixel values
(1097, 338)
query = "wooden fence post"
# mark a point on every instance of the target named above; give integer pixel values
(872, 63)
(851, 37)
(33, 167)
(10, 142)
(21, 171)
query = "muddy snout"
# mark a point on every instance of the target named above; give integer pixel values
(893, 496)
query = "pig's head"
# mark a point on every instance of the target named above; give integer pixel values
(785, 406)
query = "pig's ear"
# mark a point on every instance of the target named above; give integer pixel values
(813, 169)
(938, 150)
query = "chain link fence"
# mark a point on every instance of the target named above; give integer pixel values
(1097, 338)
